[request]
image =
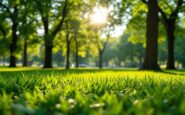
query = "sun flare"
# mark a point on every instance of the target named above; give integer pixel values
(99, 15)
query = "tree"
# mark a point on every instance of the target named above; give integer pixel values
(129, 53)
(68, 44)
(4, 35)
(12, 10)
(3, 31)
(151, 56)
(114, 17)
(179, 45)
(80, 34)
(75, 18)
(76, 48)
(76, 39)
(27, 29)
(180, 51)
(101, 48)
(45, 9)
(100, 43)
(169, 21)
(72, 23)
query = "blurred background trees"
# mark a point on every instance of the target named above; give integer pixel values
(83, 33)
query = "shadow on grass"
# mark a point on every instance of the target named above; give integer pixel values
(175, 72)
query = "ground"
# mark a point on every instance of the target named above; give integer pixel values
(91, 91)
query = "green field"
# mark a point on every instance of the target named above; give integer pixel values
(91, 91)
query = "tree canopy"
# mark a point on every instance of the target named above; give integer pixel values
(85, 33)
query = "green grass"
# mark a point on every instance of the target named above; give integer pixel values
(91, 91)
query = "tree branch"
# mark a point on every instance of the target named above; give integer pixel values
(2, 30)
(163, 14)
(106, 42)
(176, 11)
(39, 7)
(4, 6)
(144, 1)
(60, 24)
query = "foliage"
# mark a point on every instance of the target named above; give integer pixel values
(129, 53)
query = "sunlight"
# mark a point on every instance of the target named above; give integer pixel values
(99, 15)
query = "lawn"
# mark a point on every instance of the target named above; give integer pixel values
(91, 91)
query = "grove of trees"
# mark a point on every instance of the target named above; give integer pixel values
(62, 33)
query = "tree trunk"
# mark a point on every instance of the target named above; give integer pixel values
(151, 54)
(48, 44)
(170, 23)
(170, 60)
(13, 45)
(68, 42)
(76, 58)
(100, 59)
(68, 48)
(76, 52)
(170, 28)
(48, 56)
(25, 60)
(68, 56)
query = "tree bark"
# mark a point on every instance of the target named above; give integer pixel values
(48, 44)
(151, 54)
(169, 24)
(68, 48)
(48, 56)
(4, 35)
(50, 37)
(76, 59)
(68, 56)
(25, 58)
(170, 58)
(13, 45)
(76, 52)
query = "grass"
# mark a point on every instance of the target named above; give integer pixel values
(25, 91)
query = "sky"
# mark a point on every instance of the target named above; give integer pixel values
(99, 16)
(119, 30)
